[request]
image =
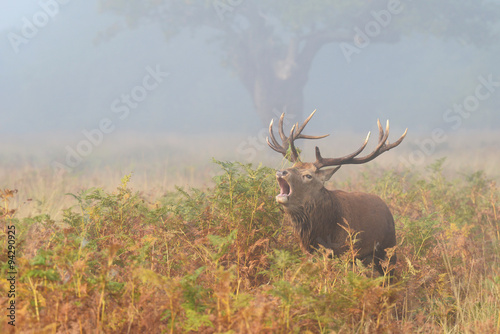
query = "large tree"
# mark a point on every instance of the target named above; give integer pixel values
(271, 44)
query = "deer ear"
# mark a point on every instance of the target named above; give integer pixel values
(326, 174)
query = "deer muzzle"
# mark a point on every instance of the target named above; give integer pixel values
(285, 189)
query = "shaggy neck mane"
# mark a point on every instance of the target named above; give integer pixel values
(311, 218)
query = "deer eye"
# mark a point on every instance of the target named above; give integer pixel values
(308, 176)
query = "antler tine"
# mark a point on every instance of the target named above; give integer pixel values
(280, 129)
(380, 130)
(382, 146)
(311, 137)
(288, 142)
(382, 139)
(397, 142)
(271, 146)
(322, 162)
(299, 134)
(275, 146)
(299, 131)
(295, 154)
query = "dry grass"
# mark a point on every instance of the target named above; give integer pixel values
(221, 259)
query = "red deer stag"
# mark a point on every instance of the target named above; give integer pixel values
(323, 217)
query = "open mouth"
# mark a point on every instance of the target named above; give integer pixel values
(285, 191)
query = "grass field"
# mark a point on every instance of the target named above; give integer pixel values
(98, 250)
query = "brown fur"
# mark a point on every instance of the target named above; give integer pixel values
(318, 213)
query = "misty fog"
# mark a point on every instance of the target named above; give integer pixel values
(71, 67)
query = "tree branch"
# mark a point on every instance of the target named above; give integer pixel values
(314, 42)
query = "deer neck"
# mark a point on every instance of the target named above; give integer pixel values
(315, 218)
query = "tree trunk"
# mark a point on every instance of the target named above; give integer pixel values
(273, 69)
(273, 96)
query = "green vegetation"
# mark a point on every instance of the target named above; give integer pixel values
(224, 260)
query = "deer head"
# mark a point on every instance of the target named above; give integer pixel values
(304, 181)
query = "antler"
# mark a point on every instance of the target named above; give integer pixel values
(383, 146)
(287, 142)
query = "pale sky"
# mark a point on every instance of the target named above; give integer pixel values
(11, 12)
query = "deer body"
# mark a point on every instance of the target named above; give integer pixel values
(323, 217)
(369, 215)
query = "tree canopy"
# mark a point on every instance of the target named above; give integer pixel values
(271, 44)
